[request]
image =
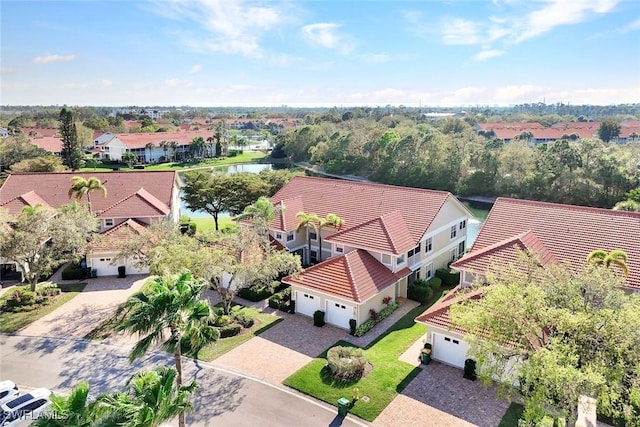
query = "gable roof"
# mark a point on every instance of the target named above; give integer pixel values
(53, 188)
(286, 219)
(121, 232)
(355, 276)
(359, 202)
(140, 140)
(506, 252)
(386, 233)
(143, 203)
(568, 233)
(438, 313)
(16, 204)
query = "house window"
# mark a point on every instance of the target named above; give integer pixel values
(428, 272)
(313, 235)
(290, 236)
(400, 260)
(386, 259)
(463, 224)
(417, 274)
(454, 231)
(418, 248)
(341, 306)
(461, 248)
(428, 245)
(452, 255)
(108, 222)
(314, 256)
(279, 236)
(339, 249)
(308, 296)
(410, 253)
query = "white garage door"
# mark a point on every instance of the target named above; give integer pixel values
(449, 350)
(339, 314)
(104, 267)
(307, 304)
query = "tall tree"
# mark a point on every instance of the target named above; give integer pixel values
(169, 309)
(40, 239)
(331, 220)
(81, 187)
(616, 257)
(608, 130)
(559, 334)
(48, 163)
(150, 146)
(149, 399)
(72, 152)
(78, 409)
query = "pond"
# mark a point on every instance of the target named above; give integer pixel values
(480, 212)
(228, 169)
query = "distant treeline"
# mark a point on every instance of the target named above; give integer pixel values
(448, 154)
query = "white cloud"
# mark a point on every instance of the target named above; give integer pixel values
(232, 26)
(76, 85)
(195, 69)
(516, 93)
(487, 54)
(47, 59)
(106, 83)
(632, 26)
(174, 82)
(376, 58)
(325, 34)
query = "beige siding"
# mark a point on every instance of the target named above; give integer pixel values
(375, 303)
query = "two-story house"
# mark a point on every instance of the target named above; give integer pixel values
(134, 200)
(391, 236)
(556, 233)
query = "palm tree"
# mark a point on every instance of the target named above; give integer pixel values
(150, 146)
(261, 213)
(212, 141)
(165, 146)
(150, 398)
(616, 257)
(309, 221)
(81, 186)
(174, 146)
(170, 304)
(331, 220)
(78, 409)
(627, 205)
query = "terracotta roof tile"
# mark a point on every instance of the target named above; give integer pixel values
(27, 199)
(140, 140)
(286, 219)
(53, 188)
(505, 252)
(357, 203)
(143, 203)
(438, 313)
(355, 276)
(52, 144)
(386, 233)
(109, 239)
(569, 233)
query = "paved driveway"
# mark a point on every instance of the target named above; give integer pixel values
(439, 396)
(99, 300)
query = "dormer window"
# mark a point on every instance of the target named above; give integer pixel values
(108, 222)
(313, 235)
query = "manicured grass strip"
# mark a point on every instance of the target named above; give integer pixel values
(12, 322)
(206, 223)
(388, 377)
(263, 321)
(246, 157)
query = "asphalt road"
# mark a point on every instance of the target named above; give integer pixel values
(223, 398)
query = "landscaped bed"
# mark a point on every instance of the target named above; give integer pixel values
(388, 376)
(12, 321)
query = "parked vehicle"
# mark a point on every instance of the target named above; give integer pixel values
(25, 407)
(8, 390)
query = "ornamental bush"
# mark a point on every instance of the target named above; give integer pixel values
(419, 293)
(230, 330)
(346, 363)
(449, 277)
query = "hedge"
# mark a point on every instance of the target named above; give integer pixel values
(281, 300)
(230, 330)
(419, 293)
(255, 295)
(73, 272)
(448, 276)
(384, 313)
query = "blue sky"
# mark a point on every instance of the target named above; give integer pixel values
(320, 53)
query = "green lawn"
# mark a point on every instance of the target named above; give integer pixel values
(388, 377)
(263, 321)
(12, 322)
(206, 224)
(246, 157)
(514, 413)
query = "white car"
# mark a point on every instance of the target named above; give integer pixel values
(26, 407)
(8, 390)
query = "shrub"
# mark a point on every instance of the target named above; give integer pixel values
(48, 290)
(420, 282)
(255, 294)
(373, 315)
(73, 272)
(222, 321)
(434, 282)
(230, 330)
(419, 293)
(244, 319)
(346, 363)
(386, 312)
(318, 318)
(188, 228)
(449, 277)
(22, 299)
(281, 300)
(387, 300)
(365, 327)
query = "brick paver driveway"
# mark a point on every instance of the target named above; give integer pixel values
(99, 300)
(439, 396)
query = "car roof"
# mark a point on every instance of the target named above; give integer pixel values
(7, 384)
(39, 393)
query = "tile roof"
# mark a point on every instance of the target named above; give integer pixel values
(139, 140)
(52, 144)
(569, 233)
(143, 203)
(386, 233)
(53, 188)
(286, 219)
(438, 313)
(355, 276)
(505, 252)
(357, 203)
(16, 204)
(109, 239)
